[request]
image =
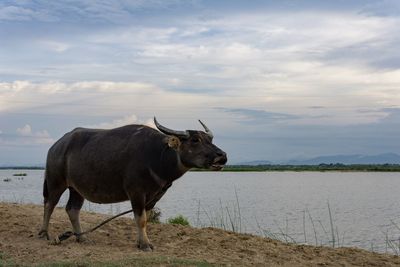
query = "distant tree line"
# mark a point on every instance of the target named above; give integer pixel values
(21, 168)
(320, 167)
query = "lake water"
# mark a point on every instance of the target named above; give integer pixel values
(291, 206)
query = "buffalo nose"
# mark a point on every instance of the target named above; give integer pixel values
(221, 154)
(222, 157)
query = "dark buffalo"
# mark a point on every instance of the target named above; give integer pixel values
(133, 162)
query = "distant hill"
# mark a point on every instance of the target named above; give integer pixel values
(386, 158)
(389, 158)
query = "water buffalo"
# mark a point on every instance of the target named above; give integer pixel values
(133, 162)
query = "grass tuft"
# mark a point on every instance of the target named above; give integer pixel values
(179, 220)
(154, 215)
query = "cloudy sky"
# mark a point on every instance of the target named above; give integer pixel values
(274, 80)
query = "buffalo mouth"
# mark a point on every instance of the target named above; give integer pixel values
(218, 163)
(216, 167)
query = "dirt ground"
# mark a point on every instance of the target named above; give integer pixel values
(19, 244)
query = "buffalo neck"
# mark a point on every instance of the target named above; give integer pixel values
(169, 167)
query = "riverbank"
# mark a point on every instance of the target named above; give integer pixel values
(175, 245)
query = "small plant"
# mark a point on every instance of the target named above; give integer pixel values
(5, 260)
(154, 215)
(178, 220)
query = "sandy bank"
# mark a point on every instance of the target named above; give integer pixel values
(174, 245)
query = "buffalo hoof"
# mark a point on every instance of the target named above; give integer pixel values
(43, 234)
(84, 240)
(146, 247)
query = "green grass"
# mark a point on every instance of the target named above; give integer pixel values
(4, 261)
(179, 220)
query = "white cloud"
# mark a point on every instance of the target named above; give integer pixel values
(15, 13)
(247, 47)
(55, 46)
(27, 137)
(304, 85)
(114, 11)
(25, 131)
(182, 67)
(241, 52)
(72, 97)
(126, 120)
(130, 119)
(275, 61)
(20, 13)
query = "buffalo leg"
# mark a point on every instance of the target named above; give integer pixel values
(51, 198)
(73, 209)
(141, 222)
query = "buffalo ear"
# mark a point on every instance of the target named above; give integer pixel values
(173, 141)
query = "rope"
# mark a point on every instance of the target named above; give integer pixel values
(68, 234)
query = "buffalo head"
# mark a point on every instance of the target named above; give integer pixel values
(195, 148)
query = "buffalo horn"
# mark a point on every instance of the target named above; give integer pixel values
(169, 131)
(208, 131)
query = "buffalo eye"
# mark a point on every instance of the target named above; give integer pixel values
(196, 140)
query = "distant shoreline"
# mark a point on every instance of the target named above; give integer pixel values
(21, 168)
(316, 168)
(278, 167)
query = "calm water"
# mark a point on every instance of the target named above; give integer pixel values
(289, 205)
